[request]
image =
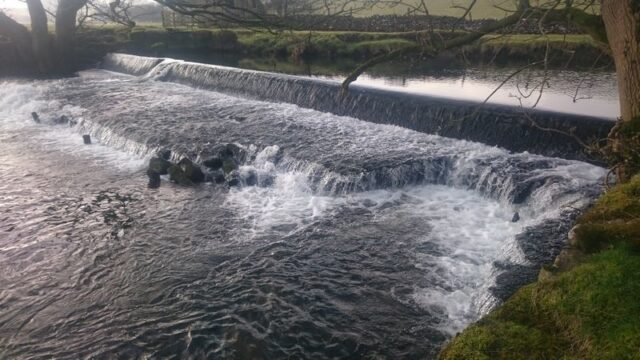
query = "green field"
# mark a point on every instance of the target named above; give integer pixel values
(484, 9)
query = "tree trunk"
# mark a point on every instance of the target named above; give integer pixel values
(19, 36)
(66, 15)
(41, 40)
(622, 22)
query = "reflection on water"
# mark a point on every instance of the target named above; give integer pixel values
(592, 93)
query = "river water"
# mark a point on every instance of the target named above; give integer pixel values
(592, 92)
(358, 240)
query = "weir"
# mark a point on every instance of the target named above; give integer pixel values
(331, 217)
(516, 129)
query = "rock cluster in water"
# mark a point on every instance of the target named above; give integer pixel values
(62, 120)
(221, 167)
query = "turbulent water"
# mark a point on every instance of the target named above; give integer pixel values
(358, 240)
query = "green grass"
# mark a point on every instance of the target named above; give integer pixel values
(363, 44)
(524, 39)
(484, 9)
(589, 312)
(326, 44)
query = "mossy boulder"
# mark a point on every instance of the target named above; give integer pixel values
(178, 176)
(229, 165)
(214, 163)
(191, 170)
(154, 179)
(186, 173)
(159, 165)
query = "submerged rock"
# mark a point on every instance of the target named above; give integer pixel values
(265, 180)
(159, 165)
(185, 172)
(515, 218)
(233, 178)
(215, 177)
(154, 179)
(36, 117)
(178, 176)
(213, 163)
(86, 139)
(250, 177)
(192, 171)
(229, 151)
(229, 166)
(233, 151)
(61, 120)
(164, 154)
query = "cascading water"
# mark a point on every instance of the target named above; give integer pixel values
(353, 240)
(508, 127)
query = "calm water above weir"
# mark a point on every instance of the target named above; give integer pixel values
(593, 93)
(357, 240)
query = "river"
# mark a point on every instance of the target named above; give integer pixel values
(357, 240)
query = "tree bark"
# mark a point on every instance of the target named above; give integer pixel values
(41, 41)
(622, 23)
(66, 15)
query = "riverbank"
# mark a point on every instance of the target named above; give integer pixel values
(571, 51)
(585, 306)
(343, 48)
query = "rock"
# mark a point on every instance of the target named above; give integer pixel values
(159, 165)
(154, 179)
(230, 151)
(235, 151)
(229, 165)
(192, 171)
(251, 178)
(214, 163)
(215, 177)
(515, 218)
(265, 180)
(86, 139)
(72, 123)
(164, 154)
(233, 178)
(35, 117)
(573, 236)
(178, 176)
(61, 120)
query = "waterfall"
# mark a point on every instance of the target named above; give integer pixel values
(512, 128)
(130, 64)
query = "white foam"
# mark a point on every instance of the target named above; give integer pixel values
(19, 100)
(471, 232)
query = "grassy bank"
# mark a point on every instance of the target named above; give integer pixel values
(365, 45)
(584, 311)
(295, 45)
